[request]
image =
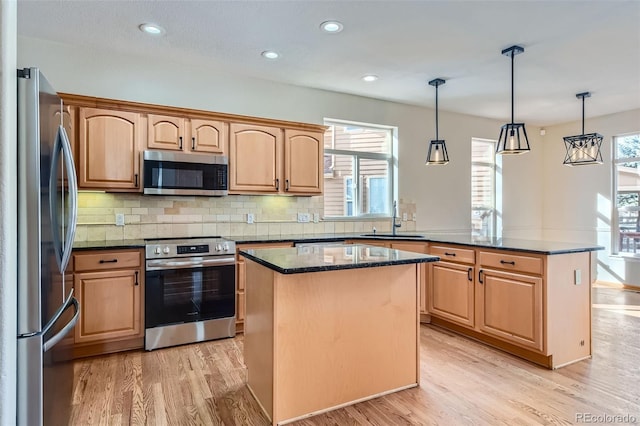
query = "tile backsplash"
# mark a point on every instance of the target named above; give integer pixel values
(149, 216)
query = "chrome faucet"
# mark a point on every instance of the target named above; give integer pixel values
(395, 225)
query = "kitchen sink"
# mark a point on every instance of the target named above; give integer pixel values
(382, 234)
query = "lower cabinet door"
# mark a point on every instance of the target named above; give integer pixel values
(451, 293)
(510, 307)
(110, 303)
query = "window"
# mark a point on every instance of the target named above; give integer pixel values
(626, 164)
(485, 182)
(357, 170)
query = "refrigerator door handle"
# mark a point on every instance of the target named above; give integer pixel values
(65, 330)
(63, 248)
(73, 198)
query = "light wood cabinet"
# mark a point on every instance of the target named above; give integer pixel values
(165, 132)
(510, 307)
(170, 133)
(109, 284)
(109, 150)
(417, 247)
(255, 158)
(241, 278)
(303, 162)
(451, 292)
(208, 136)
(264, 160)
(528, 304)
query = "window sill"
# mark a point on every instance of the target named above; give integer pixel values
(632, 257)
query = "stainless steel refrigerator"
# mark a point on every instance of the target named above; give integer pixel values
(47, 213)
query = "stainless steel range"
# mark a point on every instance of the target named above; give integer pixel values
(190, 291)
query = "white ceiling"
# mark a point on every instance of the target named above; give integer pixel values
(570, 47)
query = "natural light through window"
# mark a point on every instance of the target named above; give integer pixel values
(484, 184)
(626, 163)
(357, 170)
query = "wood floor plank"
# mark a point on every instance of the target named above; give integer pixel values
(462, 382)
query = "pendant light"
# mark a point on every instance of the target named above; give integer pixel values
(511, 140)
(437, 153)
(583, 149)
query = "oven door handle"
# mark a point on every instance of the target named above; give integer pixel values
(164, 264)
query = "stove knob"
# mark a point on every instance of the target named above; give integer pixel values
(225, 247)
(166, 250)
(218, 247)
(157, 250)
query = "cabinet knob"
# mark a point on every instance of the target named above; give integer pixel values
(277, 184)
(449, 254)
(180, 140)
(504, 262)
(469, 275)
(135, 178)
(108, 261)
(286, 184)
(480, 277)
(136, 283)
(193, 143)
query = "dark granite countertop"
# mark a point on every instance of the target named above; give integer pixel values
(531, 246)
(298, 260)
(108, 244)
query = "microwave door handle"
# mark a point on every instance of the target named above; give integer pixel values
(72, 211)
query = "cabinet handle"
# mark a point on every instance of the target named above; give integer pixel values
(135, 178)
(286, 184)
(469, 276)
(277, 184)
(480, 277)
(504, 262)
(180, 139)
(449, 254)
(193, 143)
(109, 261)
(136, 283)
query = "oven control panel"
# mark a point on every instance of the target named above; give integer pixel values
(195, 249)
(184, 248)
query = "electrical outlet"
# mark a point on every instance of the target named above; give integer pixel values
(413, 217)
(404, 217)
(119, 219)
(316, 217)
(250, 218)
(577, 276)
(304, 217)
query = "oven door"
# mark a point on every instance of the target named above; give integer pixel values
(185, 174)
(188, 293)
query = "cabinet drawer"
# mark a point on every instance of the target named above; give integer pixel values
(454, 254)
(511, 262)
(104, 259)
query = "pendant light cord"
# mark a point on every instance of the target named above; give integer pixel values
(437, 114)
(583, 115)
(512, 90)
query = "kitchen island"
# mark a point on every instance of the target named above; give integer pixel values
(329, 326)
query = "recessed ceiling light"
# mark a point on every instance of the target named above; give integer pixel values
(331, 27)
(152, 29)
(270, 54)
(369, 78)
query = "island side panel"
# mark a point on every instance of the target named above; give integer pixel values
(343, 336)
(258, 334)
(568, 308)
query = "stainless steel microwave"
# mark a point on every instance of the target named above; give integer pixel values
(174, 173)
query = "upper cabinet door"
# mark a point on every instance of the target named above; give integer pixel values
(303, 155)
(166, 132)
(109, 148)
(254, 158)
(208, 136)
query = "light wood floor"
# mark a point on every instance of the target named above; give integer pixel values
(463, 382)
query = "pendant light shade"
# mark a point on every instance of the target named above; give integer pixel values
(513, 136)
(437, 153)
(583, 149)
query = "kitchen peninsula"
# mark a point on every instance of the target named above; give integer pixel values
(329, 326)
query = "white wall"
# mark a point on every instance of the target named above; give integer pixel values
(442, 194)
(577, 200)
(8, 219)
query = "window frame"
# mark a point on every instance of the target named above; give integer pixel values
(615, 210)
(496, 167)
(356, 156)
